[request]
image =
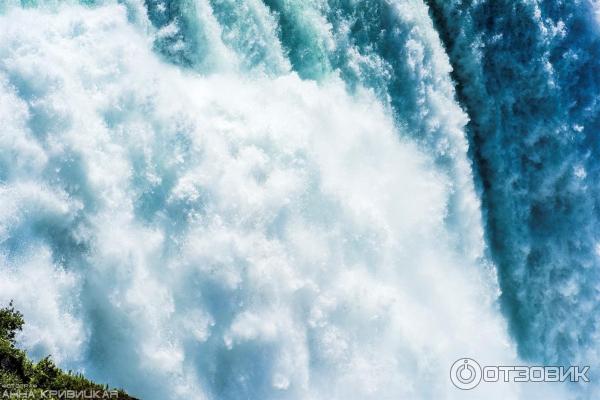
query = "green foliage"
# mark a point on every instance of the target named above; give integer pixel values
(16, 370)
(45, 373)
(11, 321)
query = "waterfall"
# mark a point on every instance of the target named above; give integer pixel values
(286, 199)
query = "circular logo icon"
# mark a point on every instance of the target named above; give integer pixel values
(465, 373)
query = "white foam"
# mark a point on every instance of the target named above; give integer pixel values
(226, 237)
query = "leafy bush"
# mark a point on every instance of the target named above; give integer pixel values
(11, 321)
(17, 371)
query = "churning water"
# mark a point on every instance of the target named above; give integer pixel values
(294, 199)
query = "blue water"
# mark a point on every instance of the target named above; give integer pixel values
(286, 199)
(532, 95)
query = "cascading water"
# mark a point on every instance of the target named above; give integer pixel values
(530, 76)
(244, 199)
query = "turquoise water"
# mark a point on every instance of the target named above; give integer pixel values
(278, 199)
